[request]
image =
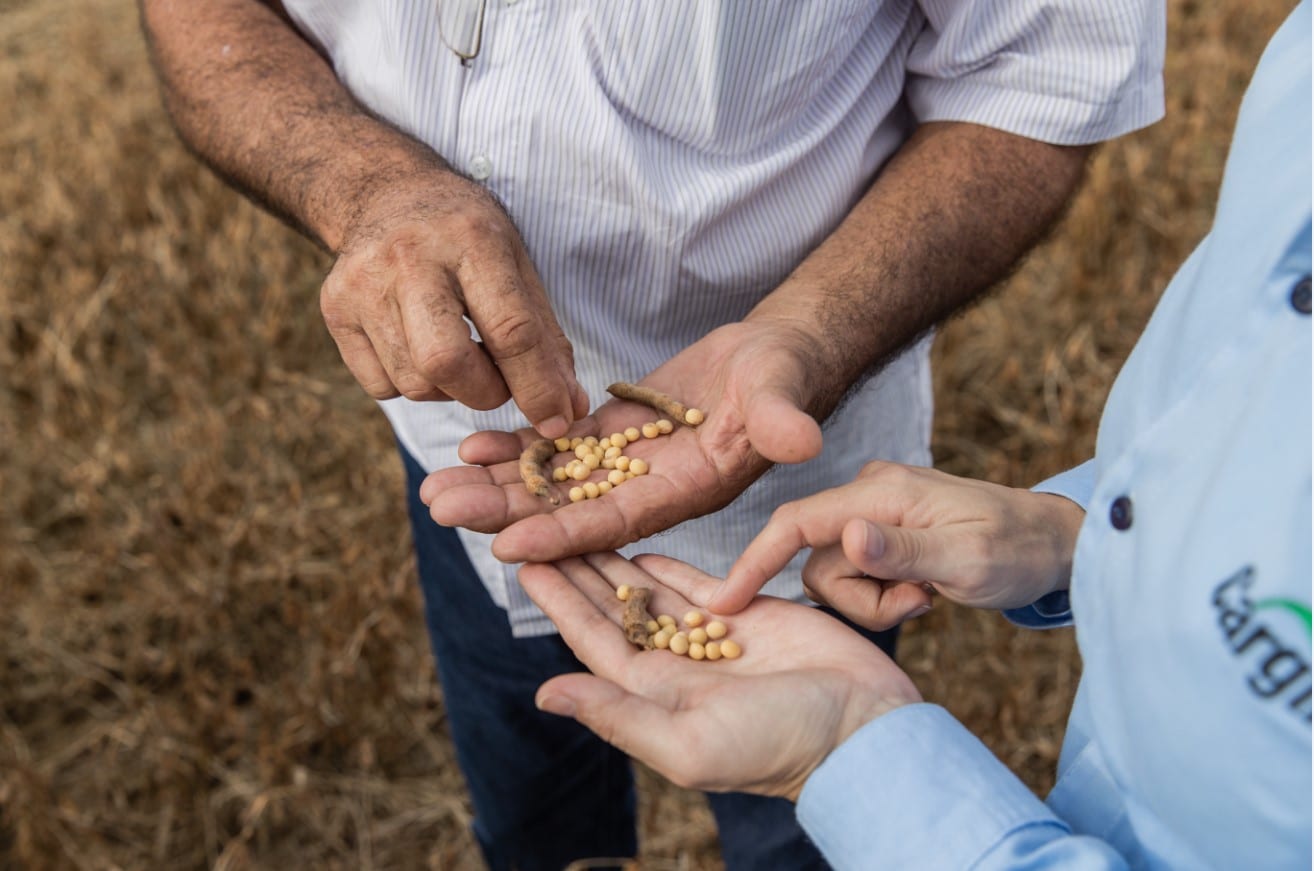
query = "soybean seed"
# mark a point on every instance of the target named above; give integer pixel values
(591, 491)
(693, 417)
(699, 635)
(716, 629)
(593, 440)
(616, 477)
(577, 494)
(618, 440)
(693, 618)
(576, 442)
(729, 649)
(665, 427)
(592, 461)
(623, 463)
(562, 444)
(632, 433)
(623, 592)
(679, 644)
(650, 431)
(604, 443)
(653, 627)
(666, 620)
(713, 650)
(580, 472)
(611, 453)
(604, 487)
(661, 640)
(559, 474)
(697, 651)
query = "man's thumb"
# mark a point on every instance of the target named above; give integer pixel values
(780, 431)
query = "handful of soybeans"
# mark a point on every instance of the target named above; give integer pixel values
(699, 642)
(607, 455)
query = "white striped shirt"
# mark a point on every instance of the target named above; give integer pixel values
(669, 163)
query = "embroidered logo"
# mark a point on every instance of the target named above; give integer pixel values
(1266, 637)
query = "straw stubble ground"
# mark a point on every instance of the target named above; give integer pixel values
(210, 647)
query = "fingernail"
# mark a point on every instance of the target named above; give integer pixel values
(873, 543)
(559, 705)
(917, 612)
(553, 427)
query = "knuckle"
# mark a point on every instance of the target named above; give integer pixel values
(441, 363)
(873, 468)
(511, 334)
(379, 389)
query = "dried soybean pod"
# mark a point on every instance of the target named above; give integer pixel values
(657, 400)
(635, 619)
(535, 472)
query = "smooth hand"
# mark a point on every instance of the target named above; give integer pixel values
(752, 387)
(883, 542)
(760, 723)
(421, 256)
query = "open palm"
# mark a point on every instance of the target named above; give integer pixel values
(741, 375)
(759, 723)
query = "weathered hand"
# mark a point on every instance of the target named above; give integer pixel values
(747, 380)
(423, 255)
(880, 540)
(760, 723)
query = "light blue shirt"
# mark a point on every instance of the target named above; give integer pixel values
(1189, 741)
(669, 163)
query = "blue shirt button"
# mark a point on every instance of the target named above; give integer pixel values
(1300, 296)
(1120, 513)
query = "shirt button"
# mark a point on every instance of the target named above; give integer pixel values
(1300, 296)
(481, 167)
(1120, 513)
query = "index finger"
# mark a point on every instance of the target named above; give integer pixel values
(521, 333)
(810, 522)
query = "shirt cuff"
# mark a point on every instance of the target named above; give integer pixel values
(913, 784)
(1077, 484)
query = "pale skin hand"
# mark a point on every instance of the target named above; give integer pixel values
(746, 375)
(882, 540)
(761, 723)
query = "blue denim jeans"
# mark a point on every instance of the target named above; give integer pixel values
(546, 791)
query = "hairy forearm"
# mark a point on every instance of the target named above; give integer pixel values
(264, 109)
(948, 217)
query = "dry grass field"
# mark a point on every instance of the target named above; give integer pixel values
(211, 654)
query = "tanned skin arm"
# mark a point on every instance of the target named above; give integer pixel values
(947, 218)
(418, 246)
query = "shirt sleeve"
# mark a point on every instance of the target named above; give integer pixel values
(1067, 72)
(915, 789)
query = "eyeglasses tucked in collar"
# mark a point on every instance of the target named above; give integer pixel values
(461, 26)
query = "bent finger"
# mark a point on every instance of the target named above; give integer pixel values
(521, 334)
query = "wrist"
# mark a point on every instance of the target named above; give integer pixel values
(826, 373)
(865, 705)
(1063, 518)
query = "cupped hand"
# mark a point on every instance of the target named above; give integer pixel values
(760, 723)
(746, 379)
(883, 542)
(419, 259)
